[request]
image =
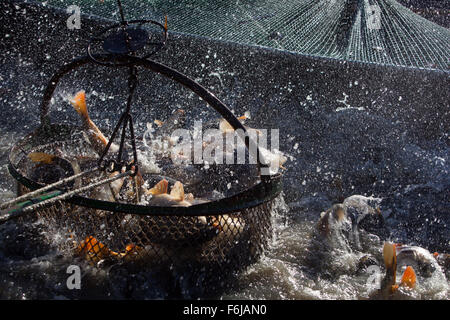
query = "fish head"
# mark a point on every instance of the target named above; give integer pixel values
(334, 223)
(423, 262)
(339, 213)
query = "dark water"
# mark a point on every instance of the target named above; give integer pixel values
(296, 266)
(293, 268)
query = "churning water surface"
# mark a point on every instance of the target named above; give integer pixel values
(297, 264)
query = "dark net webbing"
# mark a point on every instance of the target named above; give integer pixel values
(215, 244)
(381, 32)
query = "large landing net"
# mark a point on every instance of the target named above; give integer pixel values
(380, 32)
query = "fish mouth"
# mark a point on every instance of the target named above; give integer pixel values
(417, 258)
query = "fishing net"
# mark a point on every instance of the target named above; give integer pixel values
(102, 233)
(380, 32)
(216, 237)
(229, 238)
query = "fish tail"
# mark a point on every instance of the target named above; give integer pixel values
(409, 278)
(79, 103)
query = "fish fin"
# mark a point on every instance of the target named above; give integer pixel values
(79, 103)
(139, 179)
(159, 123)
(97, 249)
(281, 160)
(41, 157)
(409, 278)
(177, 192)
(189, 197)
(131, 247)
(390, 259)
(90, 245)
(216, 224)
(160, 188)
(339, 213)
(225, 126)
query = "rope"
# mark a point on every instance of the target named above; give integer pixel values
(43, 189)
(50, 199)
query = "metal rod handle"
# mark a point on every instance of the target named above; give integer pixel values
(35, 193)
(51, 198)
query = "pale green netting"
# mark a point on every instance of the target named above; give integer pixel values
(341, 29)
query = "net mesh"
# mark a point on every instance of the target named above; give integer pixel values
(215, 245)
(381, 32)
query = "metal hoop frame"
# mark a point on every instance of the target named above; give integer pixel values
(266, 190)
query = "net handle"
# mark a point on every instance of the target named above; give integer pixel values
(166, 71)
